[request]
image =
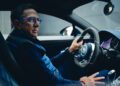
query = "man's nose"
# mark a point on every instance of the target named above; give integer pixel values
(36, 23)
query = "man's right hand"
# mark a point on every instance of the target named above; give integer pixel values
(75, 45)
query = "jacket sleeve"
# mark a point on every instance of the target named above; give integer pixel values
(64, 55)
(40, 66)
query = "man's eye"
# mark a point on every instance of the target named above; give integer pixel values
(30, 19)
(38, 19)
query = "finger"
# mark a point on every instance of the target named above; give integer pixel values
(76, 39)
(94, 75)
(81, 42)
(99, 78)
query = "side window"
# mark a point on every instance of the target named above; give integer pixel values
(51, 25)
(5, 23)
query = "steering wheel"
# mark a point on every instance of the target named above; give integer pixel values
(88, 52)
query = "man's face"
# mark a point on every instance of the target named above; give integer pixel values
(31, 22)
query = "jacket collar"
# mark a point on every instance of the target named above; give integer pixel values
(22, 34)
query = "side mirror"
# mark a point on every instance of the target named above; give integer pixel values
(69, 31)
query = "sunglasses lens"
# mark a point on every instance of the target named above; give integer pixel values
(32, 19)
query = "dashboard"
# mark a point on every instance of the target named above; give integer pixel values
(110, 39)
(110, 45)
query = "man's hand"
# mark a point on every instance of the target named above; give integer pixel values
(92, 80)
(75, 45)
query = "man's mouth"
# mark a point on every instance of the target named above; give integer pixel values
(35, 30)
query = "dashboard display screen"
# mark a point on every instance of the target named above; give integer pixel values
(106, 44)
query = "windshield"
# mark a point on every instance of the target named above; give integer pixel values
(93, 13)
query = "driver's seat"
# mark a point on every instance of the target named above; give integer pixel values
(9, 65)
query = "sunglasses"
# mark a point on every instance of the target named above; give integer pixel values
(31, 19)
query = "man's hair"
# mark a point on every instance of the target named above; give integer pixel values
(17, 13)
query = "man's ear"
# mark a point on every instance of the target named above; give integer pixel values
(17, 24)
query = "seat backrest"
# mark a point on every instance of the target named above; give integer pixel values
(8, 61)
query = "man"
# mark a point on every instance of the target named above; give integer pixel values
(31, 55)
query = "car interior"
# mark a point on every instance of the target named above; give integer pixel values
(101, 49)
